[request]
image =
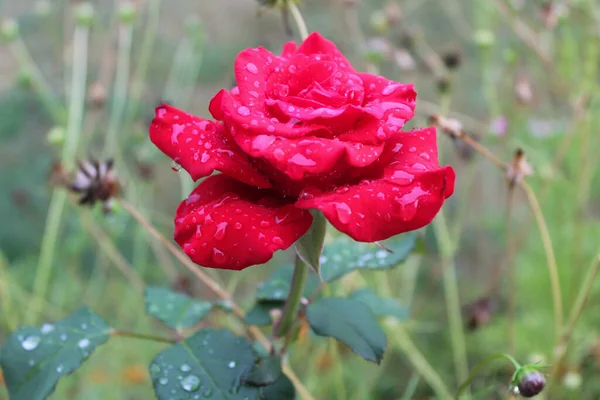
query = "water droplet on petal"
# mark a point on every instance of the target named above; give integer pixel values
(343, 212)
(175, 166)
(190, 383)
(277, 240)
(402, 177)
(243, 111)
(292, 69)
(220, 232)
(218, 256)
(301, 160)
(271, 128)
(412, 149)
(205, 157)
(252, 68)
(265, 223)
(31, 342)
(238, 225)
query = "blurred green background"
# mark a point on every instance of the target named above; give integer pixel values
(516, 74)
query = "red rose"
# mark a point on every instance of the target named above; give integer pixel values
(302, 130)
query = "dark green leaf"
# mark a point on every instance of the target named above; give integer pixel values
(34, 359)
(310, 245)
(259, 314)
(175, 310)
(351, 322)
(344, 255)
(282, 389)
(265, 372)
(277, 287)
(381, 307)
(208, 364)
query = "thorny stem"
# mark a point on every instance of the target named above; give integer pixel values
(215, 288)
(59, 196)
(143, 336)
(480, 366)
(298, 18)
(290, 311)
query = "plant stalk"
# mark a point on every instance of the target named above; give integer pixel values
(293, 301)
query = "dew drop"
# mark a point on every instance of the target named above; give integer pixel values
(412, 149)
(218, 256)
(47, 328)
(63, 337)
(154, 370)
(205, 157)
(83, 343)
(232, 364)
(220, 232)
(207, 393)
(265, 223)
(299, 159)
(190, 383)
(277, 240)
(292, 69)
(185, 368)
(163, 381)
(343, 212)
(238, 225)
(31, 363)
(252, 68)
(59, 368)
(31, 342)
(243, 111)
(175, 166)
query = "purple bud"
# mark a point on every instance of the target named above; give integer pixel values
(532, 384)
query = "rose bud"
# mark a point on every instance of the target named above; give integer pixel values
(531, 383)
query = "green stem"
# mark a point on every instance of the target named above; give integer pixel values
(59, 196)
(480, 366)
(142, 336)
(298, 18)
(120, 89)
(293, 301)
(420, 363)
(39, 83)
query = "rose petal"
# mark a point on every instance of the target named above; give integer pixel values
(252, 69)
(406, 194)
(201, 146)
(226, 224)
(298, 158)
(317, 44)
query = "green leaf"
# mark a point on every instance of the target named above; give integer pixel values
(260, 314)
(381, 307)
(277, 287)
(175, 310)
(344, 255)
(351, 322)
(265, 372)
(209, 364)
(34, 359)
(282, 389)
(310, 246)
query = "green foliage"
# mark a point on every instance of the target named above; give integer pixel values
(380, 306)
(351, 322)
(34, 359)
(343, 256)
(277, 287)
(310, 245)
(259, 314)
(264, 372)
(175, 310)
(211, 363)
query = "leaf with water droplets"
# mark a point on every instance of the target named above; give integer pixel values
(277, 287)
(175, 310)
(209, 364)
(282, 389)
(34, 359)
(264, 372)
(351, 322)
(260, 314)
(310, 245)
(343, 255)
(381, 306)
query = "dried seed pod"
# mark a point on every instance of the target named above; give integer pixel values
(96, 182)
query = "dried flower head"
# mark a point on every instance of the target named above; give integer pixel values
(519, 168)
(96, 182)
